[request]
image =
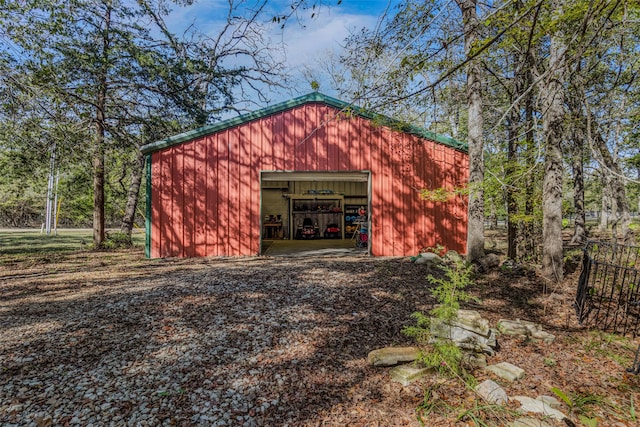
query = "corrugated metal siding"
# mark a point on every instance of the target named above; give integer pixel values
(206, 192)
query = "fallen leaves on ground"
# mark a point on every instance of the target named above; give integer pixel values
(99, 338)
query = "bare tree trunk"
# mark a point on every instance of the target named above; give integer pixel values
(512, 206)
(98, 188)
(529, 230)
(132, 195)
(618, 194)
(522, 78)
(553, 115)
(475, 227)
(513, 130)
(493, 216)
(552, 210)
(98, 155)
(605, 205)
(577, 165)
(580, 231)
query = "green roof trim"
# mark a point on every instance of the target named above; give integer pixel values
(296, 102)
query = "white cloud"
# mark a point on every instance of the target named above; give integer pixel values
(325, 33)
(306, 39)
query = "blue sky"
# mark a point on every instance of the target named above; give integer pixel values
(305, 39)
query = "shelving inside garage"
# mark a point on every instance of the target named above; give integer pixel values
(321, 209)
(278, 198)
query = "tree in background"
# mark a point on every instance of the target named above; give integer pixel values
(532, 55)
(558, 88)
(475, 129)
(114, 68)
(552, 89)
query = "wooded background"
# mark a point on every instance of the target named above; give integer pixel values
(544, 92)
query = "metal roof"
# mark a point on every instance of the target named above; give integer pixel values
(287, 105)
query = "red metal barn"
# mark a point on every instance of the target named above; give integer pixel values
(222, 189)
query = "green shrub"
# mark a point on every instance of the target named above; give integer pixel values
(444, 356)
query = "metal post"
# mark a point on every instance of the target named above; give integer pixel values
(56, 206)
(50, 203)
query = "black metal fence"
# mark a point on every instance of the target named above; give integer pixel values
(608, 296)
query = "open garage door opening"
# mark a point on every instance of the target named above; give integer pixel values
(315, 212)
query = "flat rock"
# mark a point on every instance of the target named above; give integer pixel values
(428, 258)
(465, 340)
(506, 371)
(469, 331)
(469, 320)
(406, 374)
(473, 321)
(474, 360)
(390, 356)
(525, 329)
(492, 393)
(528, 422)
(550, 400)
(529, 404)
(489, 262)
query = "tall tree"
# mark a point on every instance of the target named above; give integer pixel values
(615, 180)
(552, 88)
(475, 228)
(82, 52)
(577, 142)
(115, 75)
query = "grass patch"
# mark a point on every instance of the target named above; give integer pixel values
(479, 414)
(19, 246)
(620, 349)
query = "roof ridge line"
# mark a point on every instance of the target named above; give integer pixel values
(394, 124)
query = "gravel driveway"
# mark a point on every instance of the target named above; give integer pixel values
(103, 339)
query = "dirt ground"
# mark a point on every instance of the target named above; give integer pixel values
(110, 338)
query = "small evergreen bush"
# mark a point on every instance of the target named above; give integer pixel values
(445, 357)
